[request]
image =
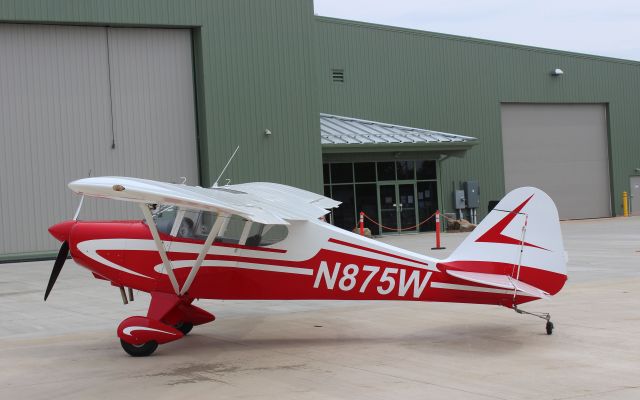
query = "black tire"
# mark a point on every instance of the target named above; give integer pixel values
(549, 327)
(184, 327)
(142, 350)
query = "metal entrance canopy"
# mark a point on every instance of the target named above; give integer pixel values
(347, 135)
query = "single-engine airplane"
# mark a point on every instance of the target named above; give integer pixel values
(268, 241)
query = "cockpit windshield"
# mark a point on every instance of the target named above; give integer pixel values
(164, 218)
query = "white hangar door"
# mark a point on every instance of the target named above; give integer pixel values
(561, 149)
(77, 99)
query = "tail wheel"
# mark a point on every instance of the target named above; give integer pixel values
(184, 327)
(141, 350)
(549, 327)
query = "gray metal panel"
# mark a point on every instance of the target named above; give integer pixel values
(336, 129)
(55, 120)
(563, 150)
(54, 106)
(153, 103)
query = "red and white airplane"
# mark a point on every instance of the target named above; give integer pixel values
(267, 241)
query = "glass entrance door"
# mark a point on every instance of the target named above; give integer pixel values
(407, 205)
(388, 208)
(397, 206)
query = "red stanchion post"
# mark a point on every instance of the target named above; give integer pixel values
(362, 223)
(438, 247)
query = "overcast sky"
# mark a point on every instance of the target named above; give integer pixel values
(607, 28)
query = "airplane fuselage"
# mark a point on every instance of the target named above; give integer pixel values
(316, 261)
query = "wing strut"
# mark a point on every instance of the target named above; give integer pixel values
(160, 245)
(221, 223)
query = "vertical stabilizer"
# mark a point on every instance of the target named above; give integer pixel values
(520, 238)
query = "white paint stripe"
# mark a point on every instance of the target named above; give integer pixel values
(90, 249)
(233, 264)
(275, 268)
(442, 285)
(129, 329)
(171, 246)
(378, 257)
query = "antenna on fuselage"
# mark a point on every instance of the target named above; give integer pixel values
(215, 184)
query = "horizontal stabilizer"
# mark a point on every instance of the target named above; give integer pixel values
(499, 281)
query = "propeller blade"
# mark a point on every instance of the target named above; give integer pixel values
(57, 267)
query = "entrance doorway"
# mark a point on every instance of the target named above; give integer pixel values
(396, 194)
(398, 210)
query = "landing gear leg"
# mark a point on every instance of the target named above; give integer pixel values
(545, 316)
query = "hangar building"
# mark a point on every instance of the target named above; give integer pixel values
(390, 121)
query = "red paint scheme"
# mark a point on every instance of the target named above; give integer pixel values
(550, 282)
(234, 283)
(304, 279)
(139, 330)
(494, 234)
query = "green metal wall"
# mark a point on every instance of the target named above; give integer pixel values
(254, 71)
(266, 65)
(456, 85)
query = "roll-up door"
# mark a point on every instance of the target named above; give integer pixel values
(561, 149)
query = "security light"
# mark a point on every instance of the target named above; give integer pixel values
(557, 72)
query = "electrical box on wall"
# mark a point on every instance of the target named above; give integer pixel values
(459, 200)
(472, 193)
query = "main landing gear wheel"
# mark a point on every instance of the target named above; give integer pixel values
(141, 350)
(184, 327)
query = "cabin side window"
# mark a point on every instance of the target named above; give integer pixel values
(266, 235)
(247, 233)
(196, 225)
(232, 230)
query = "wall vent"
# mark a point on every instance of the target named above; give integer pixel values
(337, 75)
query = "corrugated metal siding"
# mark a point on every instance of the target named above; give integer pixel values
(257, 67)
(453, 84)
(153, 102)
(256, 73)
(53, 97)
(55, 119)
(254, 70)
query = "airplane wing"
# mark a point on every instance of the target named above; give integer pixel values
(499, 281)
(262, 202)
